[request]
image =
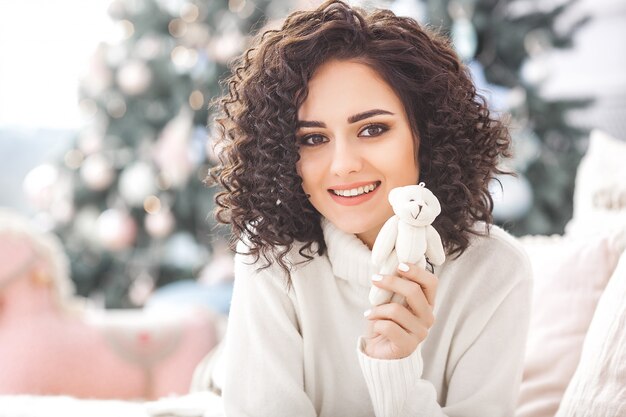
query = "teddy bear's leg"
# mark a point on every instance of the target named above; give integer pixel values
(421, 262)
(380, 296)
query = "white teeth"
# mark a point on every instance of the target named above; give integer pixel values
(355, 191)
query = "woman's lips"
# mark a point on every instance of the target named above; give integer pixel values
(353, 201)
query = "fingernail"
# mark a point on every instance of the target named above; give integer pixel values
(377, 277)
(403, 267)
(367, 312)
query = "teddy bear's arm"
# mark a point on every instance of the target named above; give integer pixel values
(385, 241)
(434, 248)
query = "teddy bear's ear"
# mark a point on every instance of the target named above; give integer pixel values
(432, 201)
(393, 194)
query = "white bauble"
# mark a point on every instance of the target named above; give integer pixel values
(90, 141)
(40, 185)
(85, 224)
(97, 172)
(136, 183)
(134, 77)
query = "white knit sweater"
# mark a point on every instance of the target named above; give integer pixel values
(298, 353)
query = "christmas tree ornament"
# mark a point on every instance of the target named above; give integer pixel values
(161, 224)
(73, 158)
(90, 141)
(98, 77)
(152, 204)
(149, 47)
(134, 77)
(177, 28)
(41, 185)
(116, 106)
(171, 152)
(97, 172)
(184, 58)
(85, 225)
(196, 100)
(189, 12)
(62, 211)
(136, 183)
(116, 229)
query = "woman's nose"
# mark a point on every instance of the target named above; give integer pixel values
(346, 158)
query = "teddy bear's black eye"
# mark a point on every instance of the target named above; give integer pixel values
(412, 199)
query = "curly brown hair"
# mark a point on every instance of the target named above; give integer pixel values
(460, 143)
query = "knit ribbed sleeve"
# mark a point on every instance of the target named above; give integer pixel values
(390, 381)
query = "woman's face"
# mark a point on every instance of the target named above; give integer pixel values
(355, 146)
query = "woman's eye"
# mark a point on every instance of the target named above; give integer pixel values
(375, 130)
(312, 140)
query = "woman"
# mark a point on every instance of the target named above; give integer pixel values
(323, 118)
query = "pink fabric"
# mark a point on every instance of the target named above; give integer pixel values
(570, 276)
(44, 351)
(598, 387)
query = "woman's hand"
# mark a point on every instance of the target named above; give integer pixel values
(395, 330)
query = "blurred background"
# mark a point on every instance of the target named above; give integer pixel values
(104, 113)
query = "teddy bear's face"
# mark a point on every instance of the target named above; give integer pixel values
(415, 204)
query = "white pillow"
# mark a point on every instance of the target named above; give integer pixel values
(600, 187)
(570, 275)
(598, 387)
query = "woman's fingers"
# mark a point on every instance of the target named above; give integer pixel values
(403, 327)
(425, 279)
(412, 292)
(398, 314)
(393, 331)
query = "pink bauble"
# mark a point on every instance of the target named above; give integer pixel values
(160, 224)
(116, 229)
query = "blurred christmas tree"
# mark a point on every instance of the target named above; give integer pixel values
(141, 214)
(505, 43)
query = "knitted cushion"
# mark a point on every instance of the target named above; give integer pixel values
(570, 276)
(598, 387)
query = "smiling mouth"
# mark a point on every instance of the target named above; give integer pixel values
(355, 192)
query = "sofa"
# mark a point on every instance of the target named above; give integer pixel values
(575, 364)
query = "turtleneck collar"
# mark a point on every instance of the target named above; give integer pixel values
(349, 257)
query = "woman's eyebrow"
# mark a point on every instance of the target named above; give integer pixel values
(352, 119)
(366, 114)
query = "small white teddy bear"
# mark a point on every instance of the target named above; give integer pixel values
(407, 237)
